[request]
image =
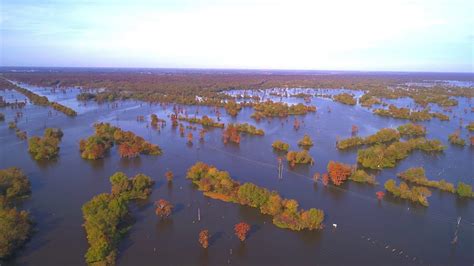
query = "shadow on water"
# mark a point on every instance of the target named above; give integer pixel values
(214, 237)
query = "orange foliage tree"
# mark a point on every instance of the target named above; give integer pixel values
(241, 230)
(338, 172)
(204, 238)
(163, 208)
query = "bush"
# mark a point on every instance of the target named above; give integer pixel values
(299, 157)
(280, 145)
(464, 190)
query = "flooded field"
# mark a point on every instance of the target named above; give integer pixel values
(387, 232)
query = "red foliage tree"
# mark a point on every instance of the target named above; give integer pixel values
(241, 230)
(163, 208)
(338, 172)
(204, 238)
(380, 195)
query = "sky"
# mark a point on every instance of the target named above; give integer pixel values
(397, 35)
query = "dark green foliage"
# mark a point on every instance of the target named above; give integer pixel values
(47, 147)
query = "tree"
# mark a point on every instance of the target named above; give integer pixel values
(241, 230)
(338, 172)
(163, 208)
(280, 145)
(231, 134)
(204, 238)
(190, 138)
(169, 176)
(380, 195)
(325, 179)
(464, 190)
(316, 177)
(306, 141)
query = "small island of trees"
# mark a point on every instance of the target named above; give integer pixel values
(15, 226)
(384, 135)
(412, 130)
(345, 98)
(280, 145)
(416, 194)
(46, 147)
(219, 185)
(416, 175)
(277, 109)
(306, 142)
(455, 138)
(382, 156)
(104, 216)
(106, 135)
(299, 157)
(205, 121)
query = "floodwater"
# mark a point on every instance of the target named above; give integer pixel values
(389, 232)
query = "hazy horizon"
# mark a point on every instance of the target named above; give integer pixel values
(402, 36)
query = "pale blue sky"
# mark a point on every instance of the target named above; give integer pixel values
(399, 35)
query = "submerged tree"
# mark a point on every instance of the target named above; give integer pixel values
(163, 208)
(169, 176)
(338, 172)
(204, 238)
(241, 230)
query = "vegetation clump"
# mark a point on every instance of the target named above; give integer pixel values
(280, 145)
(231, 134)
(383, 156)
(299, 157)
(249, 129)
(306, 141)
(384, 135)
(455, 139)
(106, 135)
(361, 176)
(417, 176)
(415, 194)
(219, 185)
(339, 172)
(46, 147)
(276, 109)
(14, 184)
(105, 213)
(412, 130)
(232, 108)
(205, 121)
(15, 226)
(367, 100)
(163, 208)
(404, 113)
(345, 98)
(464, 190)
(470, 127)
